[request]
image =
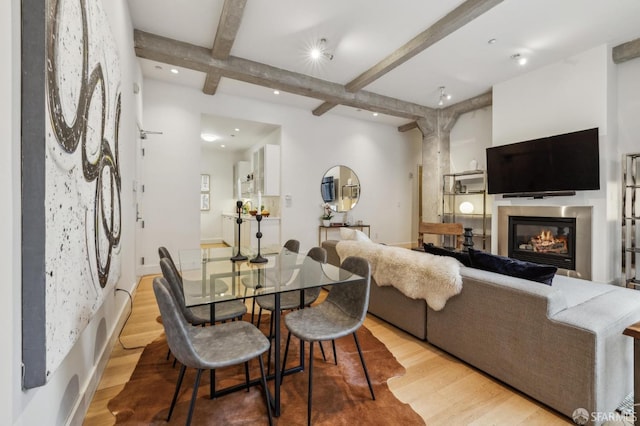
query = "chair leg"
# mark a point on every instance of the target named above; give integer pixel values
(270, 337)
(364, 366)
(246, 374)
(267, 397)
(335, 354)
(194, 396)
(324, 357)
(175, 394)
(309, 398)
(259, 317)
(168, 354)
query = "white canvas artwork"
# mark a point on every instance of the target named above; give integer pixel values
(82, 193)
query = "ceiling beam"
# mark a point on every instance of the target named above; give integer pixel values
(626, 51)
(452, 21)
(230, 19)
(449, 115)
(162, 49)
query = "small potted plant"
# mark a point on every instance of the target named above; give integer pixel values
(327, 215)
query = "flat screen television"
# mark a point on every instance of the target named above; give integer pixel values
(555, 165)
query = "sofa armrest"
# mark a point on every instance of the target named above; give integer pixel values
(332, 254)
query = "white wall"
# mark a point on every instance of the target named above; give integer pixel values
(381, 156)
(570, 95)
(10, 213)
(69, 390)
(469, 139)
(629, 107)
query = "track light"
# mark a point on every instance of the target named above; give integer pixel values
(443, 96)
(320, 50)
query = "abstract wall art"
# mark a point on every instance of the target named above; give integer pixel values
(71, 184)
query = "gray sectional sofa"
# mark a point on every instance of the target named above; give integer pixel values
(560, 344)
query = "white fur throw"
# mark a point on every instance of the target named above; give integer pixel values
(417, 275)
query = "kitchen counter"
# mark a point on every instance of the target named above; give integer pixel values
(249, 217)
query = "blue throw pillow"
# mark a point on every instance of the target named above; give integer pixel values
(440, 251)
(512, 267)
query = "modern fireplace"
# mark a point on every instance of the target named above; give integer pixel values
(545, 240)
(551, 235)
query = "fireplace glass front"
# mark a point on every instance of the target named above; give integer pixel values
(544, 240)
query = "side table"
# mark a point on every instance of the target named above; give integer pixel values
(326, 230)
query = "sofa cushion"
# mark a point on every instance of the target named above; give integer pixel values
(440, 251)
(513, 267)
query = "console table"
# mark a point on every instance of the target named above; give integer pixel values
(327, 228)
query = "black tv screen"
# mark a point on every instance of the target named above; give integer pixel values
(567, 162)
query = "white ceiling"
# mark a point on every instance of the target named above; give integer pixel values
(360, 33)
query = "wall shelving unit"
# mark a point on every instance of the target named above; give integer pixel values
(630, 218)
(464, 200)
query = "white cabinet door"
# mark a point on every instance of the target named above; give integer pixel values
(228, 229)
(266, 170)
(270, 233)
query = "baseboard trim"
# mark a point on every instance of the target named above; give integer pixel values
(79, 412)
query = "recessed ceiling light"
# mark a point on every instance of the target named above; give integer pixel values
(375, 114)
(492, 41)
(237, 129)
(223, 146)
(208, 137)
(276, 92)
(519, 58)
(158, 67)
(174, 71)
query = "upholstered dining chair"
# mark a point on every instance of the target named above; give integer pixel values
(208, 348)
(291, 299)
(254, 284)
(340, 314)
(198, 315)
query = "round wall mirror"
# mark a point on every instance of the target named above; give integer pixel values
(340, 188)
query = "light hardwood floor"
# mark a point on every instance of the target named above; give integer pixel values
(440, 388)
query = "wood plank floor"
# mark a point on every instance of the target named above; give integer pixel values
(439, 387)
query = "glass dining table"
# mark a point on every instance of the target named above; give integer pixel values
(210, 276)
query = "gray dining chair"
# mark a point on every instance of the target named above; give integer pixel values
(250, 282)
(208, 348)
(198, 315)
(290, 300)
(340, 314)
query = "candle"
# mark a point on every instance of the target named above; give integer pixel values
(239, 190)
(259, 202)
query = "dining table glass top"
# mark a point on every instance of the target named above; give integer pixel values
(209, 276)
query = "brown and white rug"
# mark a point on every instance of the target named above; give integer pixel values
(340, 393)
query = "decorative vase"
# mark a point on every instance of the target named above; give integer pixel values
(326, 222)
(468, 239)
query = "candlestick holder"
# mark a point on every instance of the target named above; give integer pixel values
(238, 255)
(259, 258)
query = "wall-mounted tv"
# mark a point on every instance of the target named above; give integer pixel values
(555, 165)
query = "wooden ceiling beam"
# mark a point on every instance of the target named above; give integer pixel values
(228, 26)
(626, 51)
(162, 49)
(451, 22)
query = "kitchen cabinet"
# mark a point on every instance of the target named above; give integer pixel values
(270, 228)
(266, 170)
